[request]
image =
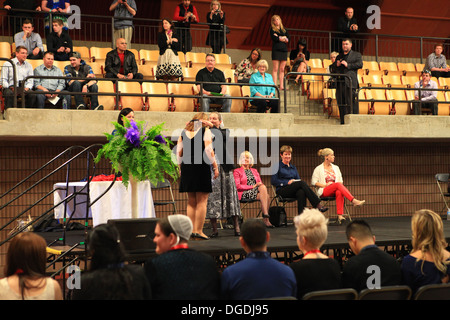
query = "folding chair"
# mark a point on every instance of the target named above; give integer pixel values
(443, 178)
(336, 294)
(386, 293)
(326, 201)
(165, 201)
(433, 292)
(280, 200)
(245, 203)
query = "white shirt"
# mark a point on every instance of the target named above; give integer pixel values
(319, 176)
(22, 71)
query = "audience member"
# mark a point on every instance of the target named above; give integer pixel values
(16, 18)
(263, 77)
(127, 113)
(59, 9)
(194, 148)
(250, 186)
(288, 184)
(178, 272)
(299, 58)
(315, 271)
(223, 201)
(348, 26)
(437, 63)
(121, 63)
(216, 20)
(357, 272)
(25, 277)
(47, 69)
(428, 262)
(109, 277)
(124, 11)
(331, 83)
(247, 67)
(280, 39)
(168, 66)
(211, 74)
(79, 69)
(258, 276)
(23, 70)
(347, 62)
(327, 178)
(59, 42)
(185, 14)
(425, 98)
(30, 40)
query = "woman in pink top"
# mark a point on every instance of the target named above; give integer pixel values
(327, 179)
(250, 186)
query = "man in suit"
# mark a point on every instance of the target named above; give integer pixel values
(347, 62)
(371, 266)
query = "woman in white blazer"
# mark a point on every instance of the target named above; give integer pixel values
(327, 179)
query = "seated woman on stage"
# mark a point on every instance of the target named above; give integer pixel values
(288, 184)
(315, 271)
(247, 67)
(250, 186)
(428, 262)
(262, 77)
(327, 178)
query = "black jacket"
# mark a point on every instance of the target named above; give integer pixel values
(112, 63)
(163, 46)
(354, 62)
(54, 42)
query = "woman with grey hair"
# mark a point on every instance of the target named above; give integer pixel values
(265, 78)
(327, 178)
(315, 271)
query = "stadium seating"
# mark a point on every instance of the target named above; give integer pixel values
(398, 108)
(181, 104)
(155, 103)
(134, 102)
(383, 107)
(148, 56)
(5, 50)
(85, 53)
(99, 54)
(108, 102)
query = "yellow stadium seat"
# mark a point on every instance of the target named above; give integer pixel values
(195, 58)
(378, 107)
(155, 103)
(443, 105)
(84, 52)
(420, 67)
(393, 81)
(97, 68)
(409, 81)
(181, 104)
(406, 67)
(229, 75)
(444, 83)
(134, 102)
(148, 56)
(136, 56)
(5, 50)
(374, 80)
(388, 66)
(398, 108)
(108, 102)
(313, 85)
(147, 70)
(237, 105)
(99, 54)
(364, 106)
(315, 63)
(370, 65)
(329, 102)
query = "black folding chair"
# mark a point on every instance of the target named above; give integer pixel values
(386, 293)
(166, 200)
(433, 292)
(336, 294)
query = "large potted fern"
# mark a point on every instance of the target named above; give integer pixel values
(139, 155)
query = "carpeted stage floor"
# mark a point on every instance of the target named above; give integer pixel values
(394, 231)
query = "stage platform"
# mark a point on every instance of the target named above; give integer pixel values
(393, 234)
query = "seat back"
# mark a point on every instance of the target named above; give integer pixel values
(237, 105)
(181, 104)
(5, 50)
(108, 102)
(148, 56)
(160, 196)
(99, 54)
(156, 103)
(134, 102)
(433, 292)
(147, 70)
(386, 293)
(337, 294)
(84, 52)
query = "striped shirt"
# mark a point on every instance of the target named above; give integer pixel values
(434, 61)
(22, 71)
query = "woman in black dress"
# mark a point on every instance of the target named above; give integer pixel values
(194, 149)
(280, 39)
(168, 66)
(216, 20)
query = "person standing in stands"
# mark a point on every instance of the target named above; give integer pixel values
(123, 28)
(16, 18)
(59, 42)
(185, 14)
(347, 25)
(121, 63)
(280, 39)
(168, 66)
(216, 20)
(59, 9)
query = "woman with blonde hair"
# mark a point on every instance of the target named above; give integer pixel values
(327, 178)
(250, 186)
(315, 271)
(280, 39)
(25, 277)
(263, 77)
(216, 20)
(193, 147)
(428, 262)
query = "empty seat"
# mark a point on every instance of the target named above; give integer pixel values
(393, 80)
(130, 87)
(155, 103)
(406, 67)
(315, 63)
(409, 81)
(370, 65)
(99, 54)
(398, 108)
(179, 104)
(388, 66)
(148, 70)
(381, 106)
(5, 50)
(364, 106)
(237, 105)
(107, 101)
(195, 57)
(97, 68)
(374, 80)
(443, 105)
(312, 86)
(148, 56)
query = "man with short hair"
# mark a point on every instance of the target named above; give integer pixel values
(348, 25)
(47, 69)
(59, 42)
(23, 70)
(211, 74)
(30, 40)
(121, 63)
(370, 266)
(79, 69)
(437, 63)
(17, 17)
(347, 62)
(425, 98)
(258, 276)
(123, 28)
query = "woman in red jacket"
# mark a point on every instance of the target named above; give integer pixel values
(250, 186)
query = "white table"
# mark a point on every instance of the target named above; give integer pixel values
(115, 204)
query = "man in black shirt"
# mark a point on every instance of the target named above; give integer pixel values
(211, 74)
(59, 42)
(371, 267)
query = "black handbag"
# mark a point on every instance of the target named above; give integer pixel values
(277, 216)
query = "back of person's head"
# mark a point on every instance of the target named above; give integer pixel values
(178, 224)
(26, 255)
(428, 236)
(312, 225)
(359, 229)
(254, 234)
(195, 121)
(105, 247)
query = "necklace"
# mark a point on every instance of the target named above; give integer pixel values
(311, 251)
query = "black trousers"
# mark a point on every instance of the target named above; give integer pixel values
(433, 105)
(8, 94)
(346, 98)
(262, 105)
(301, 191)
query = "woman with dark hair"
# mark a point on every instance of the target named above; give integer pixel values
(299, 58)
(109, 277)
(247, 67)
(25, 271)
(127, 113)
(168, 66)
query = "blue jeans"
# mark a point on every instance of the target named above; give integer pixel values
(77, 86)
(226, 103)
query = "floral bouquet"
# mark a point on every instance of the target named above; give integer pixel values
(143, 155)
